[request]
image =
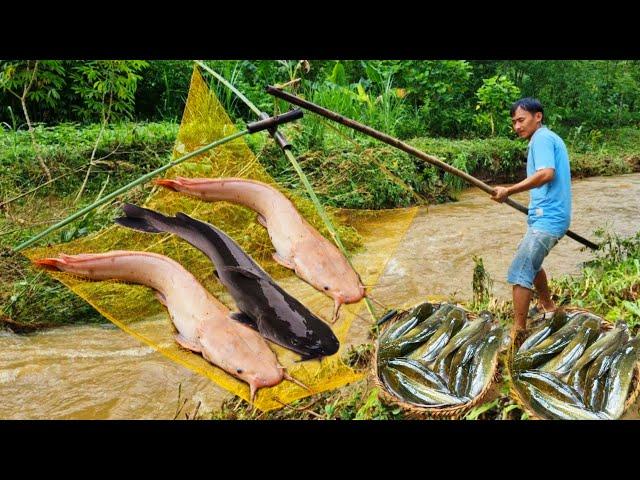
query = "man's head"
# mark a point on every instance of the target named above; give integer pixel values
(526, 116)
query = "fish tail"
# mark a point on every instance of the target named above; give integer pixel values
(49, 263)
(145, 220)
(167, 183)
(137, 224)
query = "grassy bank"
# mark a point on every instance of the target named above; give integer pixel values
(345, 173)
(368, 174)
(31, 300)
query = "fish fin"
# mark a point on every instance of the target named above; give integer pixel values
(244, 319)
(188, 344)
(161, 298)
(261, 220)
(285, 263)
(137, 224)
(244, 271)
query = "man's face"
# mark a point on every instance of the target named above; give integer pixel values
(525, 123)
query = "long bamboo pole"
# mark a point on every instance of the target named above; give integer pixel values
(410, 150)
(286, 148)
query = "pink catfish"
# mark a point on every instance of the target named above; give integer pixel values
(298, 245)
(203, 323)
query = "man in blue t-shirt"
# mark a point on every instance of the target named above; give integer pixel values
(549, 180)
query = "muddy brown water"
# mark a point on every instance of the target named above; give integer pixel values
(100, 372)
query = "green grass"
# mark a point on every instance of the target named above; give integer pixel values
(347, 170)
(28, 299)
(610, 284)
(360, 172)
(125, 151)
(365, 173)
(31, 300)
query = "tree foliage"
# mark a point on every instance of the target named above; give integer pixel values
(494, 99)
(106, 87)
(42, 78)
(408, 98)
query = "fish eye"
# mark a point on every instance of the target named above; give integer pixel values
(326, 288)
(239, 370)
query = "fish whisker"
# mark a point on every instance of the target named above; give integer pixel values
(377, 302)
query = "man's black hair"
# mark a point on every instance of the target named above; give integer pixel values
(528, 104)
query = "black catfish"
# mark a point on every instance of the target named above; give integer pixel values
(263, 304)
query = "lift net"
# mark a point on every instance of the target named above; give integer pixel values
(134, 309)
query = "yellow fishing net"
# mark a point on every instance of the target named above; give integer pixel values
(134, 309)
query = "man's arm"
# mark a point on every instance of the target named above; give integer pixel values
(542, 176)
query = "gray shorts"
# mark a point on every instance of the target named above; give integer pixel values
(533, 248)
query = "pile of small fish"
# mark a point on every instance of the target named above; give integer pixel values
(567, 369)
(436, 357)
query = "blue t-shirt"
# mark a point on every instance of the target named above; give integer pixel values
(550, 204)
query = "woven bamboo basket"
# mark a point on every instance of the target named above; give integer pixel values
(519, 339)
(419, 412)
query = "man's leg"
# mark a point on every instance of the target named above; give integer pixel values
(521, 299)
(542, 287)
(526, 273)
